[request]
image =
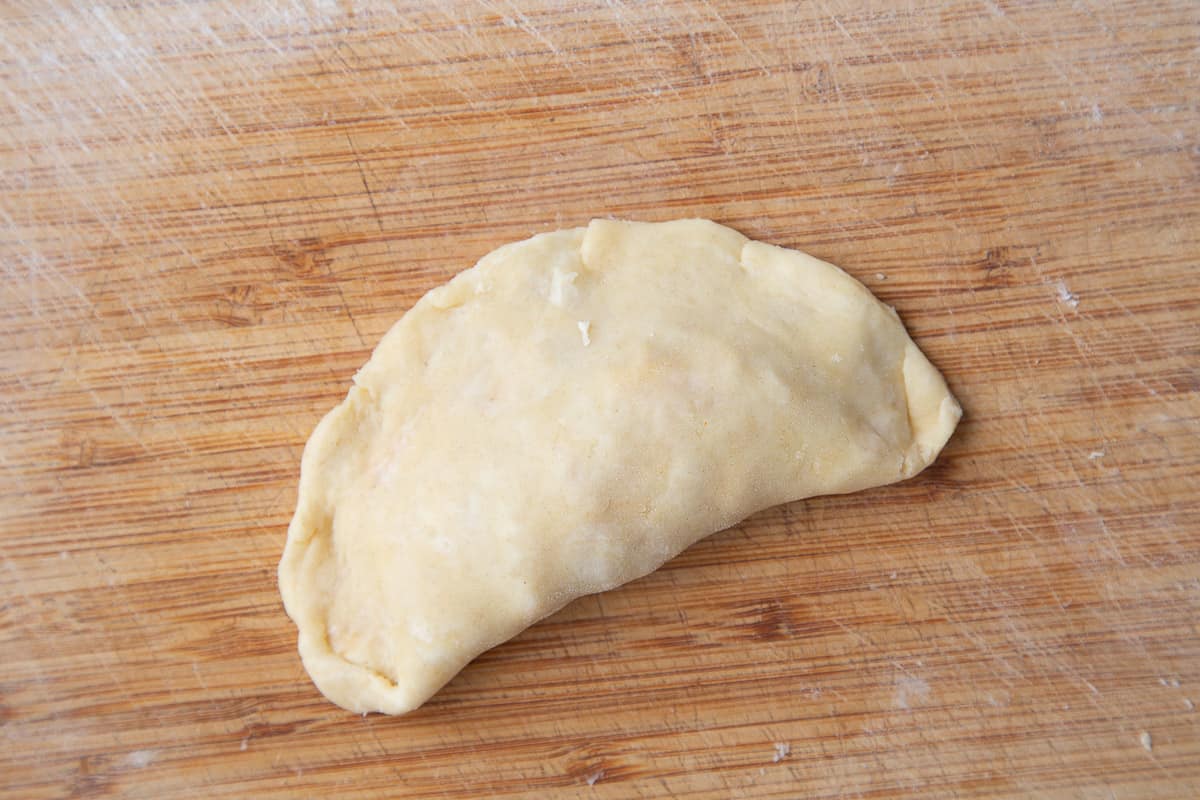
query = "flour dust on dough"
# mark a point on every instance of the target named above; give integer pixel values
(569, 414)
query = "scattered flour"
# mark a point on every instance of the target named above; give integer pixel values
(910, 690)
(1066, 296)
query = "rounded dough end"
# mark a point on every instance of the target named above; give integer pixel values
(351, 686)
(306, 592)
(933, 413)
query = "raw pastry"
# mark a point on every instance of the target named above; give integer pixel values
(566, 416)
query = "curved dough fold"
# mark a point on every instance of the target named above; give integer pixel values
(566, 416)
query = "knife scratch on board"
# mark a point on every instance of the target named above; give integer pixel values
(362, 176)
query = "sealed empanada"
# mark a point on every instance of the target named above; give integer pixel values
(566, 416)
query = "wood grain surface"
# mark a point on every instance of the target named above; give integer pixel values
(211, 212)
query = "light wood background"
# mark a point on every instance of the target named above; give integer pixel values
(211, 211)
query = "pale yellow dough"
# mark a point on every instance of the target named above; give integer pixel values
(566, 416)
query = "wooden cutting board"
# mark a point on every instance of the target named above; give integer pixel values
(213, 211)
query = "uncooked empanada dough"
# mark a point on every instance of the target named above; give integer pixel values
(566, 416)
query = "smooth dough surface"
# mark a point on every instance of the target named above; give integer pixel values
(567, 415)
